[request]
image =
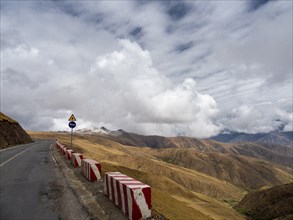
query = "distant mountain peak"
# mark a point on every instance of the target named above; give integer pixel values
(102, 130)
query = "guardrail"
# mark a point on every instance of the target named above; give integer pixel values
(131, 196)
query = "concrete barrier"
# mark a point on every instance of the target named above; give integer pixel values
(63, 150)
(68, 154)
(76, 159)
(131, 196)
(91, 169)
(58, 145)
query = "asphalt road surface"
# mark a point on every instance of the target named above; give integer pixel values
(32, 187)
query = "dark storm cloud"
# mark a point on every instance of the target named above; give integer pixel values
(254, 5)
(179, 10)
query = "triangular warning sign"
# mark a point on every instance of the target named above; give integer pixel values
(72, 118)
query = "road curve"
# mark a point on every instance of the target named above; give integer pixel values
(32, 187)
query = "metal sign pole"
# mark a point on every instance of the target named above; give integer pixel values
(71, 124)
(71, 136)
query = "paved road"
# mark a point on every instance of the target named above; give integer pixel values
(32, 187)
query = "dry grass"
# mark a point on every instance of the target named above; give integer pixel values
(244, 172)
(272, 203)
(177, 192)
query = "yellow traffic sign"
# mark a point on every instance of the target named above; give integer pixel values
(72, 118)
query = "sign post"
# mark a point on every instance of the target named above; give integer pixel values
(72, 125)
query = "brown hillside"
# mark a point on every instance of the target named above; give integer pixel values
(194, 180)
(177, 192)
(275, 153)
(200, 145)
(276, 202)
(11, 133)
(244, 172)
(132, 139)
(265, 152)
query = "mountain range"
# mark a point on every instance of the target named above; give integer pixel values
(279, 138)
(272, 138)
(274, 151)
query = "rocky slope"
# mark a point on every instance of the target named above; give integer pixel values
(11, 133)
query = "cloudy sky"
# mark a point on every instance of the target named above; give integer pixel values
(192, 68)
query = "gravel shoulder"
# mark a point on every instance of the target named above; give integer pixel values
(89, 194)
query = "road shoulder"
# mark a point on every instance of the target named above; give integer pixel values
(90, 194)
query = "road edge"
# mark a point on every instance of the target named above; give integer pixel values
(85, 197)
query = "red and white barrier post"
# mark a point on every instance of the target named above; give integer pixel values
(58, 145)
(63, 150)
(76, 159)
(91, 169)
(131, 196)
(68, 154)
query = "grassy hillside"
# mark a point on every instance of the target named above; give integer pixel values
(178, 193)
(276, 202)
(244, 172)
(276, 153)
(193, 180)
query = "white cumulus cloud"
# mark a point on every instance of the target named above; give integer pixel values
(264, 117)
(190, 68)
(137, 97)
